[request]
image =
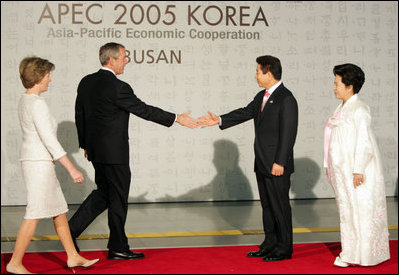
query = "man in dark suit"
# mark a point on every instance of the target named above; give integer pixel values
(275, 114)
(102, 110)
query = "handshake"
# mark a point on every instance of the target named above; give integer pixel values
(204, 121)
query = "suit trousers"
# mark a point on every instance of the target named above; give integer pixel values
(276, 213)
(112, 193)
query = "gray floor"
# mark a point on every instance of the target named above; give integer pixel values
(193, 217)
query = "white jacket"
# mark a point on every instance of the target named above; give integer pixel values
(39, 130)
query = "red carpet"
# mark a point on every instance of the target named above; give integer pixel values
(314, 258)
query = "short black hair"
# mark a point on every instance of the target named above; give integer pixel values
(351, 75)
(270, 64)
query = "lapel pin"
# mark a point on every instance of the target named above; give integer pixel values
(271, 102)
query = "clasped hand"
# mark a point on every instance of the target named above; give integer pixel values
(209, 120)
(186, 120)
(204, 121)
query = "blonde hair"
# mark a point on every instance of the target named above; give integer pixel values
(32, 69)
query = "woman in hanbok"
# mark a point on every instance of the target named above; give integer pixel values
(353, 167)
(40, 149)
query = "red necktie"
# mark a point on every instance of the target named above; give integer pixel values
(265, 98)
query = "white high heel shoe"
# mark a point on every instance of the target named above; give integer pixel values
(340, 263)
(72, 265)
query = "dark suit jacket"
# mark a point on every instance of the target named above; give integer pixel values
(102, 110)
(275, 129)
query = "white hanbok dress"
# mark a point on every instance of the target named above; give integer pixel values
(39, 149)
(350, 148)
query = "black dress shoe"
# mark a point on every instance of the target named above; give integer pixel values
(75, 244)
(127, 255)
(274, 258)
(262, 252)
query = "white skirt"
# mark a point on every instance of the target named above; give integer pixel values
(44, 194)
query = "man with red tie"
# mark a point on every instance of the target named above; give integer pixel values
(275, 114)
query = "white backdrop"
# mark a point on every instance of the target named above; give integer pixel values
(201, 58)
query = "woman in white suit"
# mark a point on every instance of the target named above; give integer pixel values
(40, 149)
(354, 169)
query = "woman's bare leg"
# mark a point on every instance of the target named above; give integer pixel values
(62, 228)
(24, 237)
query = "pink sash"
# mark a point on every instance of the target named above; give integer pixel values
(327, 136)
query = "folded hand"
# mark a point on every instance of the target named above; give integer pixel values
(277, 169)
(77, 176)
(358, 180)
